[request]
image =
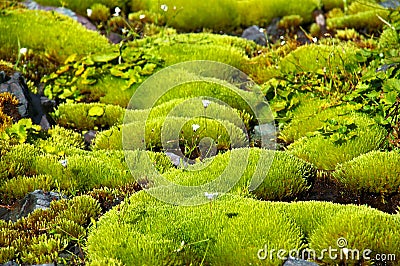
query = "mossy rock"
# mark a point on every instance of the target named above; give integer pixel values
(325, 153)
(67, 36)
(375, 172)
(229, 231)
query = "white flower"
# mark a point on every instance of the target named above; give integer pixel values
(142, 16)
(124, 31)
(164, 8)
(117, 11)
(23, 50)
(283, 42)
(315, 39)
(211, 196)
(206, 103)
(64, 162)
(89, 12)
(195, 127)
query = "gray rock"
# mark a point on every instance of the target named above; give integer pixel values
(254, 33)
(37, 199)
(177, 160)
(298, 262)
(30, 105)
(89, 137)
(266, 134)
(390, 4)
(10, 263)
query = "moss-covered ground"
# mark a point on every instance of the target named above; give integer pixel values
(328, 178)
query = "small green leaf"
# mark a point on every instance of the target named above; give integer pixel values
(96, 111)
(104, 58)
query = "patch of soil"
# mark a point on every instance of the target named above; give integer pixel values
(326, 189)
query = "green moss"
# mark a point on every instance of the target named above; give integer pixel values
(225, 134)
(325, 154)
(67, 36)
(34, 239)
(156, 232)
(319, 58)
(96, 116)
(81, 6)
(389, 39)
(376, 172)
(309, 116)
(360, 15)
(18, 187)
(362, 229)
(84, 116)
(311, 215)
(226, 15)
(281, 175)
(17, 161)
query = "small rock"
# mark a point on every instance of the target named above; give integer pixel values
(298, 262)
(177, 160)
(30, 105)
(89, 136)
(10, 263)
(390, 4)
(254, 33)
(37, 199)
(266, 134)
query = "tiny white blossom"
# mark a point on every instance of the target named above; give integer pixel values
(211, 196)
(117, 11)
(315, 39)
(142, 16)
(23, 50)
(206, 103)
(174, 8)
(283, 42)
(281, 37)
(64, 162)
(195, 127)
(164, 8)
(89, 12)
(124, 31)
(345, 251)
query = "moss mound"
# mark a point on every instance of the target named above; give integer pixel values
(376, 172)
(228, 232)
(67, 36)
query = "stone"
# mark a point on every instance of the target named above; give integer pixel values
(37, 199)
(254, 33)
(30, 105)
(88, 137)
(393, 4)
(265, 134)
(177, 160)
(298, 262)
